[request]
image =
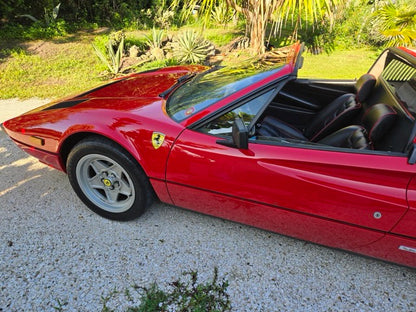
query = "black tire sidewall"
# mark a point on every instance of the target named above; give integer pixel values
(110, 149)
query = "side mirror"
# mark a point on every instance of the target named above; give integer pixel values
(412, 155)
(239, 136)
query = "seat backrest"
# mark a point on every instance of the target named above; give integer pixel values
(340, 112)
(378, 119)
(349, 137)
(334, 116)
(274, 127)
(364, 86)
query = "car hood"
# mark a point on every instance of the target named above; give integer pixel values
(144, 86)
(136, 86)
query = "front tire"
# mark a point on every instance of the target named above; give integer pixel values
(108, 180)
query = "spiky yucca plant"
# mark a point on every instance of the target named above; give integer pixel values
(155, 41)
(222, 14)
(113, 60)
(190, 47)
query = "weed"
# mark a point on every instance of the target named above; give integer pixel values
(107, 298)
(60, 305)
(184, 295)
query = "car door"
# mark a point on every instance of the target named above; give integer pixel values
(340, 198)
(346, 198)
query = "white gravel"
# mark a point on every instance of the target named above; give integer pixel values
(53, 249)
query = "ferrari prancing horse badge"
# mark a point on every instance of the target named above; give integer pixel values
(157, 139)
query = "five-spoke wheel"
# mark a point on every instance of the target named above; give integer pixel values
(107, 179)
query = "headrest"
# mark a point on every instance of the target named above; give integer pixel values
(378, 119)
(364, 86)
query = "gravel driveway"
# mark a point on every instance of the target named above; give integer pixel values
(54, 250)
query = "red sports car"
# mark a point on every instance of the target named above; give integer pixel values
(328, 161)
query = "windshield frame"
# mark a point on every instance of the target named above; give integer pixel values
(247, 81)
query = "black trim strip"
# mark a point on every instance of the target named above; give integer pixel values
(295, 143)
(99, 88)
(65, 104)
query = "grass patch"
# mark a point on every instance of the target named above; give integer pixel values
(220, 36)
(67, 65)
(343, 64)
(49, 70)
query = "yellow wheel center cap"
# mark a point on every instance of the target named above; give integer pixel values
(106, 182)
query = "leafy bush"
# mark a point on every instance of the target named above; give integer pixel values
(318, 38)
(353, 24)
(164, 18)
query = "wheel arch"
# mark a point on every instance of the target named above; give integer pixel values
(69, 143)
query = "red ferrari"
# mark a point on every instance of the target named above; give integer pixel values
(328, 161)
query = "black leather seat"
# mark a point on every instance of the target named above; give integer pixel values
(349, 137)
(376, 122)
(336, 115)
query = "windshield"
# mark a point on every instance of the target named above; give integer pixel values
(211, 86)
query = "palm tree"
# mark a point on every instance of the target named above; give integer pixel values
(258, 13)
(396, 23)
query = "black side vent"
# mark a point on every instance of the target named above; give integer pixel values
(65, 104)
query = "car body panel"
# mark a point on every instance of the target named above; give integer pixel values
(359, 200)
(407, 224)
(313, 182)
(284, 221)
(391, 247)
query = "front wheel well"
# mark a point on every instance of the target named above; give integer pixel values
(74, 139)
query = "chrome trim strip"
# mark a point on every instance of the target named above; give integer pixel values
(409, 249)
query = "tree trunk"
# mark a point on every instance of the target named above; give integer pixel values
(258, 16)
(257, 33)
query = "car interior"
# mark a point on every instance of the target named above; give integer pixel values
(362, 115)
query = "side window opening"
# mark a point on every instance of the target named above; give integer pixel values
(247, 112)
(401, 77)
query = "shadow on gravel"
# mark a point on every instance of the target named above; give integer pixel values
(53, 249)
(23, 177)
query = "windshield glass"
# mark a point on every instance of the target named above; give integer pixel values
(211, 86)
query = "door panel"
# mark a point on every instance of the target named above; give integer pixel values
(407, 225)
(393, 248)
(283, 221)
(358, 189)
